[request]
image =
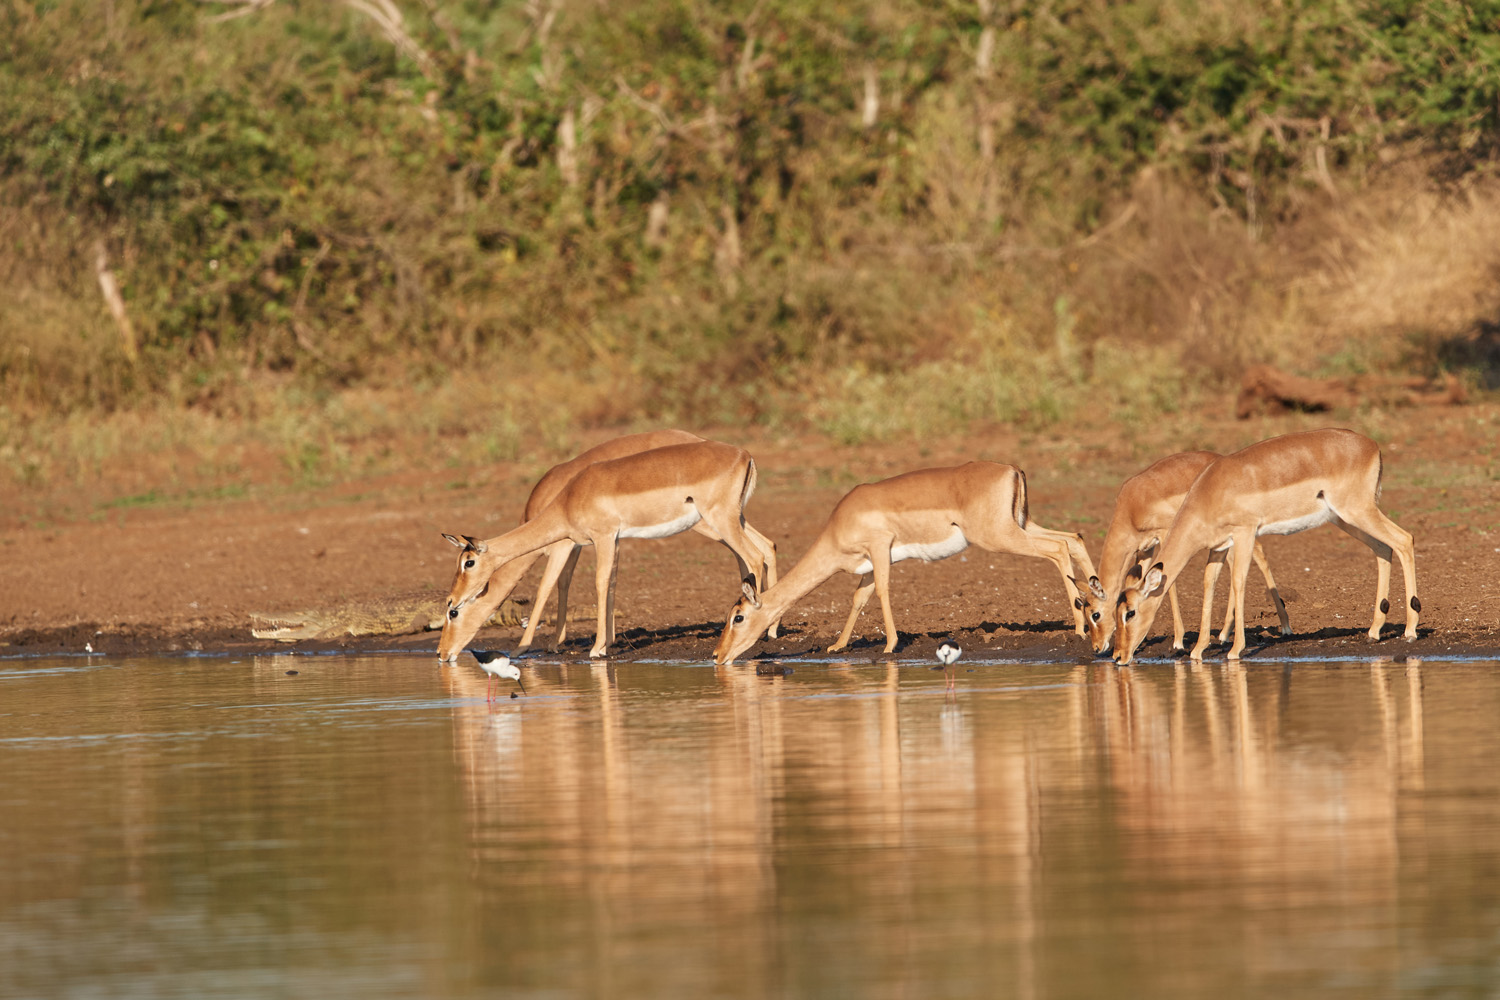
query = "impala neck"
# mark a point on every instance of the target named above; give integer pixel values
(1190, 533)
(538, 533)
(1114, 558)
(818, 564)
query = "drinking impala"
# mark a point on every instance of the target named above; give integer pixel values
(654, 494)
(929, 515)
(562, 556)
(1277, 487)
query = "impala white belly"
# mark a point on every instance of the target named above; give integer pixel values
(1297, 524)
(666, 529)
(925, 551)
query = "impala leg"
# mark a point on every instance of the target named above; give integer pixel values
(558, 557)
(614, 576)
(754, 571)
(1205, 624)
(605, 551)
(768, 558)
(882, 573)
(731, 532)
(1239, 573)
(755, 552)
(1265, 571)
(1228, 628)
(862, 592)
(1178, 632)
(1384, 536)
(1057, 547)
(767, 551)
(564, 584)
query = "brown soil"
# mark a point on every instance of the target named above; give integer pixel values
(79, 567)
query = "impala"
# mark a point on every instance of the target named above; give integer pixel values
(929, 515)
(653, 494)
(1144, 509)
(1277, 487)
(562, 556)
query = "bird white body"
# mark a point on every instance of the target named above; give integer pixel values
(498, 667)
(948, 654)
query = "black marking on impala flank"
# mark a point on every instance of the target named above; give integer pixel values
(1320, 494)
(1385, 606)
(688, 500)
(1416, 605)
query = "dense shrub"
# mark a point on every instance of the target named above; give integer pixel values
(695, 199)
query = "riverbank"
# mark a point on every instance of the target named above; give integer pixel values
(116, 572)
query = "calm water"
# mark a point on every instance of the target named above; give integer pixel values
(370, 827)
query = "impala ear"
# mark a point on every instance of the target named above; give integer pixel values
(748, 589)
(454, 539)
(1096, 588)
(1155, 578)
(474, 544)
(1133, 577)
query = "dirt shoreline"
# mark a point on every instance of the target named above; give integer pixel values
(183, 575)
(1046, 642)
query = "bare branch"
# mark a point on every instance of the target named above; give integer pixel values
(385, 14)
(242, 8)
(115, 301)
(870, 110)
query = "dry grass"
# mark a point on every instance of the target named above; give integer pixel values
(1402, 267)
(1155, 316)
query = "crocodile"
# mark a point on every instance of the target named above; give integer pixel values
(379, 616)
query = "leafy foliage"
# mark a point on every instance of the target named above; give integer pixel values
(693, 197)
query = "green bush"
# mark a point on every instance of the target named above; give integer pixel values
(291, 192)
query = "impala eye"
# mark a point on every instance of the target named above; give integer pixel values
(452, 613)
(1129, 615)
(1096, 616)
(738, 619)
(468, 564)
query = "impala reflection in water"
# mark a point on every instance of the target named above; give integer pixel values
(659, 830)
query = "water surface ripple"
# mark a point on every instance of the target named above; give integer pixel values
(371, 827)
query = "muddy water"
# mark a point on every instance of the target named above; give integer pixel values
(371, 827)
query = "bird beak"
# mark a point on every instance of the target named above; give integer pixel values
(521, 686)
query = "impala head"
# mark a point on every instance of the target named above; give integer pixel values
(473, 573)
(1135, 609)
(1098, 613)
(746, 623)
(459, 627)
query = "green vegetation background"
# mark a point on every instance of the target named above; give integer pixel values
(875, 217)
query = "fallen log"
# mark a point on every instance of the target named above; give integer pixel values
(1266, 389)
